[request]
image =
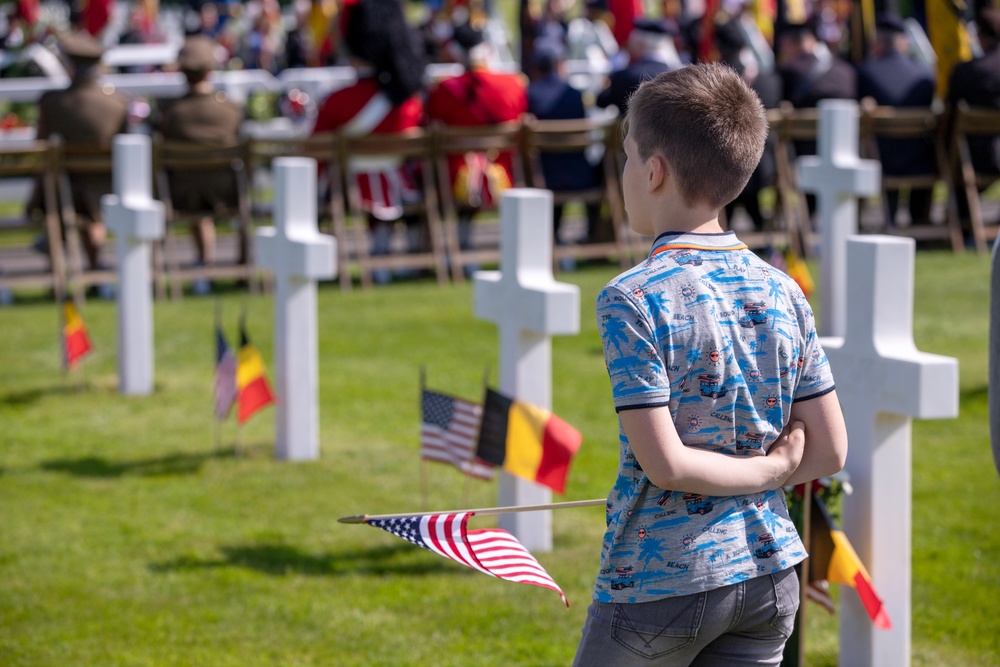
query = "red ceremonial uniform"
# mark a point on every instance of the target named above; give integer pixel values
(479, 97)
(362, 109)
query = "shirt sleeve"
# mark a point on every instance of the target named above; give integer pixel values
(815, 377)
(631, 354)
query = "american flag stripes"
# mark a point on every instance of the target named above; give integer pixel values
(490, 550)
(225, 376)
(449, 432)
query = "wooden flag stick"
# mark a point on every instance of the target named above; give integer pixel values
(362, 518)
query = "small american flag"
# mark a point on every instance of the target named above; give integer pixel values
(225, 376)
(449, 432)
(490, 550)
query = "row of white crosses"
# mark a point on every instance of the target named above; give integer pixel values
(884, 381)
(293, 250)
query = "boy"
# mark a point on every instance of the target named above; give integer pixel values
(723, 393)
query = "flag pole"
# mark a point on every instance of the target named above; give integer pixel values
(362, 518)
(424, 481)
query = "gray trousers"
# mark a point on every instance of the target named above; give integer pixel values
(741, 624)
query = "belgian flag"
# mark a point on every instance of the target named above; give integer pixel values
(832, 557)
(527, 441)
(76, 343)
(254, 391)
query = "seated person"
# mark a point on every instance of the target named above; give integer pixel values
(84, 114)
(893, 79)
(387, 98)
(550, 97)
(978, 83)
(203, 116)
(476, 97)
(650, 51)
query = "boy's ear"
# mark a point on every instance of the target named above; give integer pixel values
(657, 172)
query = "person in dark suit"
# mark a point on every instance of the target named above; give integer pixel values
(84, 114)
(203, 116)
(550, 97)
(978, 83)
(732, 45)
(893, 79)
(651, 51)
(809, 71)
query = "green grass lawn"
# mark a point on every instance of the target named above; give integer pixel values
(128, 538)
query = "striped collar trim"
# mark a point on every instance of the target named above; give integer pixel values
(688, 241)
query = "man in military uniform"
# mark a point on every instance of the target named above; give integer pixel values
(203, 116)
(85, 114)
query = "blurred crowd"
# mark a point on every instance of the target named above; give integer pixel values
(793, 51)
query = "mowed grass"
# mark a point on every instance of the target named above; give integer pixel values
(128, 537)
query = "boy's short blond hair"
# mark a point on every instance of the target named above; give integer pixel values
(709, 125)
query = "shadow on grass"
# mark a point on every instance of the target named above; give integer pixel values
(282, 559)
(95, 466)
(30, 396)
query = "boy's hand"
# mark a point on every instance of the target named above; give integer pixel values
(787, 450)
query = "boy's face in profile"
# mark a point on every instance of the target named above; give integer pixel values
(635, 190)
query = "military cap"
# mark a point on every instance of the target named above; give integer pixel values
(890, 22)
(197, 55)
(81, 46)
(651, 26)
(467, 37)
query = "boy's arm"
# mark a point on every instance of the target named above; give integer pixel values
(826, 449)
(670, 464)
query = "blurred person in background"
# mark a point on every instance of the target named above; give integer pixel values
(387, 98)
(85, 114)
(650, 52)
(479, 96)
(893, 79)
(203, 116)
(550, 97)
(977, 82)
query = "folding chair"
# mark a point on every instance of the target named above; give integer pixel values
(574, 137)
(351, 220)
(980, 122)
(83, 174)
(492, 140)
(879, 122)
(791, 125)
(35, 162)
(215, 164)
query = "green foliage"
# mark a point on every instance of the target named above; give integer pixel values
(128, 537)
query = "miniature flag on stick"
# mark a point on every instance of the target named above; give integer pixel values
(528, 441)
(448, 432)
(76, 343)
(798, 270)
(225, 376)
(251, 380)
(832, 557)
(490, 550)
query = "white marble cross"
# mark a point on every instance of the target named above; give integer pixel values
(137, 220)
(529, 307)
(994, 376)
(883, 381)
(298, 255)
(838, 176)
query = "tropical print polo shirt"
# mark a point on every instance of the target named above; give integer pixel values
(727, 342)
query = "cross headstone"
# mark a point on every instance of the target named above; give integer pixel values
(137, 220)
(994, 377)
(298, 255)
(838, 176)
(529, 307)
(883, 381)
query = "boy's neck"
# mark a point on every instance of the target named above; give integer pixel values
(688, 220)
